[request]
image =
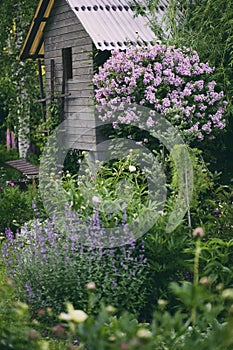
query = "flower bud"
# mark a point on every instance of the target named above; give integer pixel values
(111, 309)
(32, 334)
(217, 212)
(162, 303)
(205, 281)
(58, 329)
(198, 232)
(91, 286)
(227, 293)
(144, 333)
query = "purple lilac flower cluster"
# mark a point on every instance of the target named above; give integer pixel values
(49, 264)
(170, 81)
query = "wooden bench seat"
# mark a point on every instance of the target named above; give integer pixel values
(27, 169)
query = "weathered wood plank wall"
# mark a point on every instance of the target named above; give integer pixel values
(64, 30)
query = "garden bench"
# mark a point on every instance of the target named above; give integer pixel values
(26, 168)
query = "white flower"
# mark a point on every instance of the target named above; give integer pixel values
(111, 309)
(91, 285)
(161, 212)
(162, 303)
(144, 333)
(132, 168)
(76, 316)
(227, 293)
(65, 317)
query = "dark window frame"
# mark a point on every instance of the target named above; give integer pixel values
(67, 62)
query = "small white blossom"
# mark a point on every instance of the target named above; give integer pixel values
(132, 168)
(144, 333)
(65, 317)
(111, 309)
(91, 285)
(78, 316)
(227, 293)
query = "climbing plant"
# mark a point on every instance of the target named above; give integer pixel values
(19, 80)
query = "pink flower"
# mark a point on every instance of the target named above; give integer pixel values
(32, 334)
(167, 80)
(10, 183)
(8, 139)
(198, 232)
(150, 122)
(13, 142)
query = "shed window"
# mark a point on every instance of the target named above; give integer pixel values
(100, 57)
(67, 62)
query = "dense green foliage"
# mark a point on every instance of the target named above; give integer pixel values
(204, 26)
(16, 331)
(19, 80)
(6, 172)
(16, 205)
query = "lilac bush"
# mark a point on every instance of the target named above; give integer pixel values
(167, 80)
(49, 265)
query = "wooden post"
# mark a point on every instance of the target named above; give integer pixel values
(52, 78)
(63, 91)
(42, 95)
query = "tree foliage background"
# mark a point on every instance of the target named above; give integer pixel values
(205, 26)
(18, 80)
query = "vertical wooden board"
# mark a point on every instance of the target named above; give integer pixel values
(64, 30)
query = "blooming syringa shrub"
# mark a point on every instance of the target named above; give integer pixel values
(170, 81)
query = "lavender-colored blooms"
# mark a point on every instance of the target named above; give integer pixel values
(168, 80)
(50, 264)
(29, 291)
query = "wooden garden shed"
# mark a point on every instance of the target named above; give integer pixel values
(72, 37)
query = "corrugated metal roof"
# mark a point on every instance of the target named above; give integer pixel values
(110, 24)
